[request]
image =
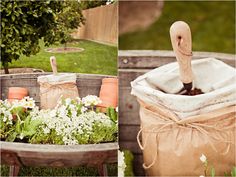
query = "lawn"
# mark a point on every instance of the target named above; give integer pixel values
(96, 59)
(212, 24)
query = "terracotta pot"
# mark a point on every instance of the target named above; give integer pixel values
(109, 93)
(17, 93)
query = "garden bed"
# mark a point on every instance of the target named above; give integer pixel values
(23, 154)
(23, 70)
(64, 50)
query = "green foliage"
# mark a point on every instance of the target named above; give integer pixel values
(91, 3)
(23, 23)
(111, 112)
(233, 172)
(212, 170)
(68, 19)
(104, 134)
(99, 134)
(29, 127)
(71, 122)
(213, 173)
(129, 157)
(47, 171)
(22, 125)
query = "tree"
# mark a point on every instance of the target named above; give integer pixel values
(68, 19)
(91, 3)
(23, 23)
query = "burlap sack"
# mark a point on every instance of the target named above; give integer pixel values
(53, 88)
(172, 147)
(177, 129)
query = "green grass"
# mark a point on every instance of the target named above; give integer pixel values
(95, 59)
(212, 25)
(46, 171)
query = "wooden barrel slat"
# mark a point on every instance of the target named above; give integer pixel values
(131, 130)
(131, 145)
(155, 58)
(131, 65)
(86, 83)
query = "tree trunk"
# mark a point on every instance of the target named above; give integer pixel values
(65, 46)
(132, 12)
(6, 69)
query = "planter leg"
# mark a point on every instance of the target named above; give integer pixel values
(14, 170)
(102, 170)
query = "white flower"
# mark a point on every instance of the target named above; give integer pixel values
(53, 113)
(83, 109)
(46, 130)
(121, 164)
(203, 158)
(68, 101)
(117, 109)
(78, 100)
(27, 102)
(65, 120)
(21, 136)
(4, 119)
(62, 111)
(201, 176)
(5, 112)
(91, 100)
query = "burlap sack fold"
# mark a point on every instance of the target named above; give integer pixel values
(173, 147)
(53, 88)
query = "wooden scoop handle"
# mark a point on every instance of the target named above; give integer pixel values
(181, 40)
(53, 62)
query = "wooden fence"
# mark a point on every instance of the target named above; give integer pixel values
(101, 24)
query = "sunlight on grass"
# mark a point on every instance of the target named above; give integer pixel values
(95, 59)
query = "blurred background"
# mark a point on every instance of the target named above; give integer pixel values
(144, 25)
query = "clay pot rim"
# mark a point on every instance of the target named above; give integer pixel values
(105, 105)
(18, 88)
(108, 80)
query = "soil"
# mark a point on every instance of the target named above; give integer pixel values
(22, 70)
(64, 50)
(194, 92)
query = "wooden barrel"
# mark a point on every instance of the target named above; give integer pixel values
(131, 65)
(24, 154)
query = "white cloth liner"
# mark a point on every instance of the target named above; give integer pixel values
(58, 79)
(215, 78)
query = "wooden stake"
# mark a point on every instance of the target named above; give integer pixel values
(53, 62)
